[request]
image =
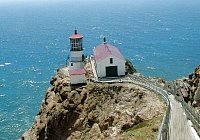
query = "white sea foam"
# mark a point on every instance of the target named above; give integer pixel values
(65, 51)
(150, 67)
(36, 70)
(19, 71)
(2, 65)
(101, 36)
(7, 63)
(31, 81)
(167, 29)
(2, 95)
(2, 85)
(94, 28)
(139, 57)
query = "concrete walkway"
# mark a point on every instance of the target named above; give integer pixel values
(92, 61)
(179, 128)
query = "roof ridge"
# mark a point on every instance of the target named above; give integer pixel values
(108, 48)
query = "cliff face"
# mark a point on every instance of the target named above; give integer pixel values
(93, 111)
(195, 82)
(189, 88)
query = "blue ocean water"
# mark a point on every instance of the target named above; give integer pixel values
(161, 38)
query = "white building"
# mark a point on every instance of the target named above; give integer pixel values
(77, 76)
(76, 59)
(109, 61)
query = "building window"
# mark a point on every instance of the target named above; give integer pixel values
(111, 60)
(71, 64)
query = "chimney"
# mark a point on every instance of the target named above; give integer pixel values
(104, 40)
(75, 32)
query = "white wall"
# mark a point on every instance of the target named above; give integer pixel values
(101, 66)
(77, 79)
(76, 53)
(76, 65)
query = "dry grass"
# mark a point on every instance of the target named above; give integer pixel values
(146, 130)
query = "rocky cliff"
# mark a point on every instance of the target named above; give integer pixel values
(188, 88)
(96, 111)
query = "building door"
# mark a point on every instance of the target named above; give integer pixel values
(111, 71)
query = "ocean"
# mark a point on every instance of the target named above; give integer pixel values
(161, 38)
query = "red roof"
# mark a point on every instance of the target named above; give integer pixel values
(77, 72)
(76, 36)
(104, 50)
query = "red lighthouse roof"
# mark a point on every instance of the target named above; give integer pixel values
(76, 35)
(77, 72)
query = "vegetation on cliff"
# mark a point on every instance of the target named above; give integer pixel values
(129, 67)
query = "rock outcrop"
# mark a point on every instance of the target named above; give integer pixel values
(92, 111)
(129, 67)
(189, 88)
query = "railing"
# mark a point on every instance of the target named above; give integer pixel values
(163, 134)
(192, 114)
(164, 127)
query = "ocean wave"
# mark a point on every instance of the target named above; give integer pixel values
(95, 28)
(167, 29)
(2, 95)
(65, 51)
(151, 68)
(2, 85)
(34, 69)
(32, 83)
(29, 83)
(18, 71)
(138, 57)
(101, 36)
(7, 63)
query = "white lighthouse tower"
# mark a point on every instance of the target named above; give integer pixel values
(76, 59)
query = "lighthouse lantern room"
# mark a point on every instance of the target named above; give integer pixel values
(76, 59)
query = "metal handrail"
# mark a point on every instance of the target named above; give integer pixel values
(193, 115)
(164, 127)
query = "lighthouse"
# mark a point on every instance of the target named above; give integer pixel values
(76, 59)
